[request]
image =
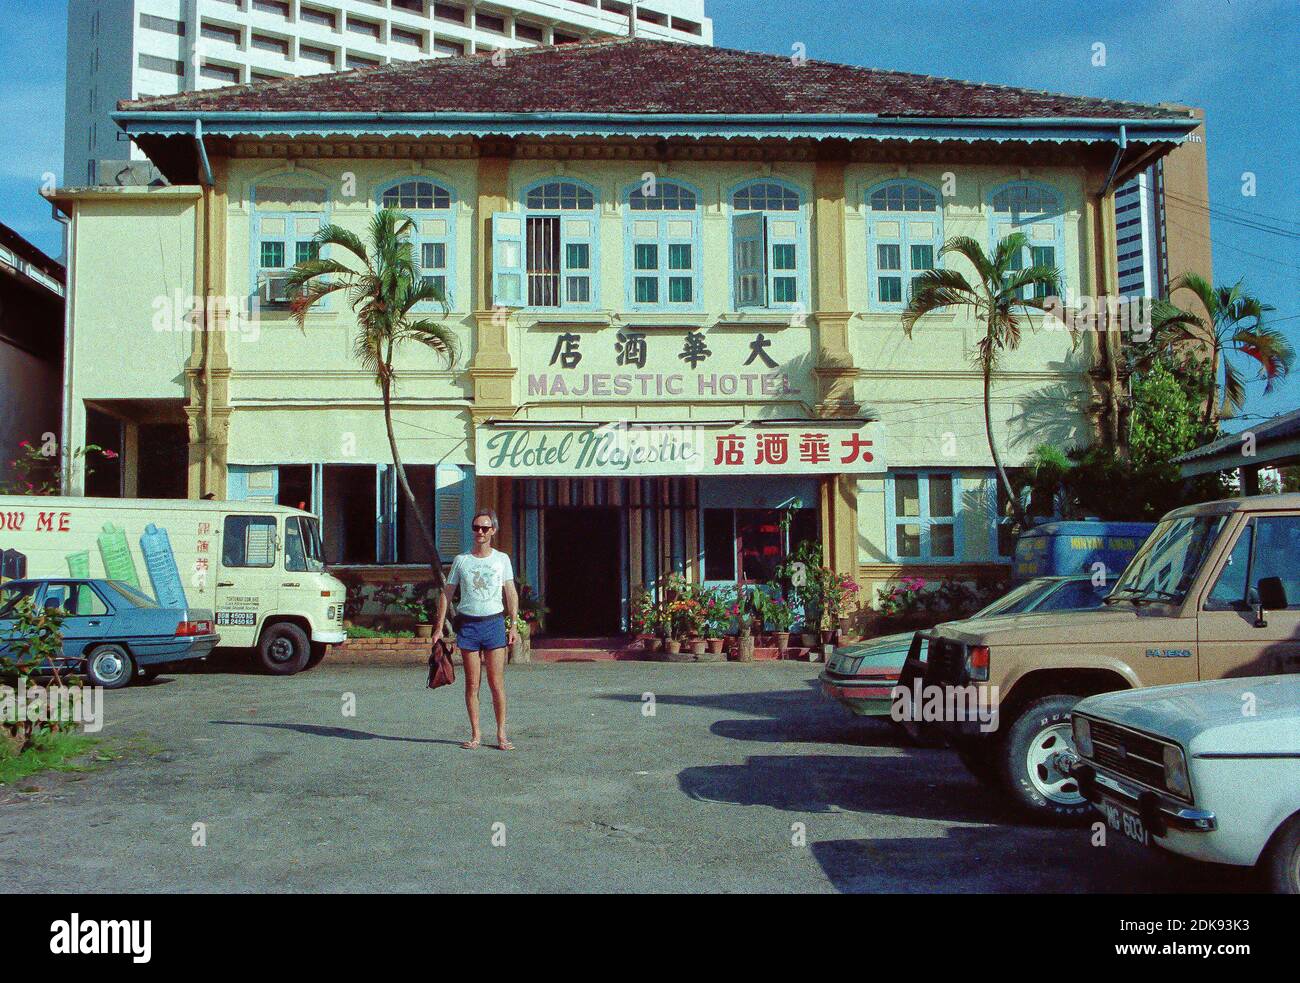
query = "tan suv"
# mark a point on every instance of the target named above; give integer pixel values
(1214, 592)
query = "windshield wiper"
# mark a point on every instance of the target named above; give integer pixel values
(1141, 594)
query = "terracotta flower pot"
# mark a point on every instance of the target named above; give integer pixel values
(809, 639)
(698, 646)
(828, 637)
(715, 645)
(423, 631)
(782, 640)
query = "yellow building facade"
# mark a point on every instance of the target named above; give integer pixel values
(732, 291)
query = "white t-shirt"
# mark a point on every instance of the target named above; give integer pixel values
(481, 580)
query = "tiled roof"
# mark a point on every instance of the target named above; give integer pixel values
(643, 76)
(1279, 428)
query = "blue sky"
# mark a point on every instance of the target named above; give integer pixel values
(1235, 59)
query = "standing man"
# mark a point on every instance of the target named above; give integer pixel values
(485, 620)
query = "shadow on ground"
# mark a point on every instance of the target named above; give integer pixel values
(977, 859)
(343, 733)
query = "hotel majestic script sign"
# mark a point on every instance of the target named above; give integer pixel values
(650, 449)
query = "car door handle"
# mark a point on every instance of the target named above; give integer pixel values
(225, 583)
(291, 585)
(93, 623)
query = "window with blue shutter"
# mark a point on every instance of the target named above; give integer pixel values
(769, 246)
(548, 252)
(1037, 211)
(431, 208)
(661, 229)
(904, 236)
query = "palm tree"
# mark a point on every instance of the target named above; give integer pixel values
(1233, 322)
(995, 298)
(383, 291)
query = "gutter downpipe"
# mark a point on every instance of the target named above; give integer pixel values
(1114, 340)
(202, 325)
(65, 408)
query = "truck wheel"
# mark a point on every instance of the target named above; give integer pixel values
(283, 649)
(110, 666)
(318, 650)
(1282, 859)
(1029, 763)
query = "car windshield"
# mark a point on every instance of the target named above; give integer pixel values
(132, 595)
(1170, 559)
(11, 595)
(1020, 599)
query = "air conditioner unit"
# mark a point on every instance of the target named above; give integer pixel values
(275, 288)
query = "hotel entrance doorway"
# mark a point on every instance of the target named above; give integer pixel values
(582, 573)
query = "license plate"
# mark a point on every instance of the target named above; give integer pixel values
(1122, 821)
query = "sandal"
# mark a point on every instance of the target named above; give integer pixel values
(505, 746)
(471, 745)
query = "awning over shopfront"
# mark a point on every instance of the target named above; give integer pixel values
(718, 449)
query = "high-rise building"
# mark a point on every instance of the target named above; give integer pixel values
(1162, 220)
(131, 49)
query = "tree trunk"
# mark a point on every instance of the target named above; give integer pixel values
(1212, 404)
(435, 563)
(1021, 518)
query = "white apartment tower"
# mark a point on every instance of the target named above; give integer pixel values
(127, 49)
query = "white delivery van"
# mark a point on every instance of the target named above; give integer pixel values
(258, 567)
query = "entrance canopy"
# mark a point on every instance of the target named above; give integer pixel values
(565, 449)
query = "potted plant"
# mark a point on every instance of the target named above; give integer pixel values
(415, 601)
(645, 619)
(522, 650)
(531, 608)
(777, 612)
(683, 618)
(717, 616)
(744, 639)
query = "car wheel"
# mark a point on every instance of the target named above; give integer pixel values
(110, 666)
(1029, 763)
(318, 650)
(1282, 858)
(284, 649)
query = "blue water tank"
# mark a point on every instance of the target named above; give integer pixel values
(1063, 548)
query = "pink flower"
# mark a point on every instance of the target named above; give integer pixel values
(109, 455)
(25, 443)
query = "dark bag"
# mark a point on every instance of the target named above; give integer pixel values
(441, 670)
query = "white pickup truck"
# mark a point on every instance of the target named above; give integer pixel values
(1209, 770)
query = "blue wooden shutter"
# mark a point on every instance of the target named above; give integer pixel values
(508, 266)
(749, 259)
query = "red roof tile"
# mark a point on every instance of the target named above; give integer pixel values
(643, 76)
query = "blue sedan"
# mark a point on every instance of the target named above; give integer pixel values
(862, 676)
(111, 631)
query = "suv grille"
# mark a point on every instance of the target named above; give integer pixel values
(943, 662)
(1129, 753)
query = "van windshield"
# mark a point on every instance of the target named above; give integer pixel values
(302, 546)
(1170, 559)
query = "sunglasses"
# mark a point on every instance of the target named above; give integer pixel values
(482, 528)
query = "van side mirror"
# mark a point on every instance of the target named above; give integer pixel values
(1272, 597)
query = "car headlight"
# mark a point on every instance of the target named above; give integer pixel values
(1082, 736)
(1176, 779)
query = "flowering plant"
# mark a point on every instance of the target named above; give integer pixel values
(37, 471)
(719, 608)
(901, 598)
(840, 591)
(645, 615)
(685, 616)
(777, 611)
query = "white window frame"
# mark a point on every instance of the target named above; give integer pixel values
(510, 286)
(1035, 222)
(923, 519)
(664, 227)
(774, 228)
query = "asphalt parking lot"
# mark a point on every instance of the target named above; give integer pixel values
(740, 780)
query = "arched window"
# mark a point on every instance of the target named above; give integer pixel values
(661, 230)
(769, 249)
(287, 212)
(904, 236)
(428, 204)
(1034, 209)
(551, 248)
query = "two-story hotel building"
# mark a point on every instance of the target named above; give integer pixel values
(712, 246)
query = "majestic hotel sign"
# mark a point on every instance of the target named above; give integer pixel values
(576, 450)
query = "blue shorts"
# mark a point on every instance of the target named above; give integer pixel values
(482, 633)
